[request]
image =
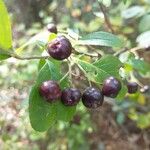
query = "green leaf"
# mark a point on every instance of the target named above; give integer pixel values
(133, 12)
(110, 64)
(41, 64)
(143, 121)
(101, 39)
(101, 69)
(43, 114)
(122, 92)
(54, 69)
(5, 28)
(140, 65)
(4, 56)
(64, 113)
(144, 24)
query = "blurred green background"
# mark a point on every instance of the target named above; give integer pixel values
(124, 125)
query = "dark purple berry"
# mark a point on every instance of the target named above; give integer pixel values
(111, 87)
(92, 98)
(50, 90)
(70, 96)
(52, 28)
(60, 48)
(132, 87)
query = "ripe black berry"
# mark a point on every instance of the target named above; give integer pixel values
(92, 97)
(52, 28)
(50, 90)
(70, 96)
(60, 48)
(111, 87)
(132, 87)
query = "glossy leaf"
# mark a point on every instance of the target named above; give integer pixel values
(101, 69)
(110, 64)
(101, 39)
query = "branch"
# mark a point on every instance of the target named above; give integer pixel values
(126, 49)
(14, 55)
(107, 21)
(121, 51)
(29, 58)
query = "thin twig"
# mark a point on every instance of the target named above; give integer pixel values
(97, 51)
(126, 49)
(38, 57)
(29, 58)
(88, 54)
(134, 49)
(136, 80)
(107, 21)
(121, 51)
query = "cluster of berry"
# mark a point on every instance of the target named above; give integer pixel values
(60, 49)
(92, 97)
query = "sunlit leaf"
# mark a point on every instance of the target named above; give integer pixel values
(5, 28)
